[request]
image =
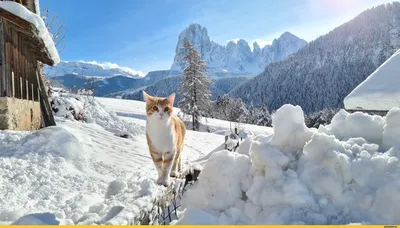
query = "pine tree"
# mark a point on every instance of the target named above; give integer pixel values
(194, 89)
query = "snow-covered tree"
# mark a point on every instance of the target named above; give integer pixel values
(326, 70)
(194, 88)
(228, 108)
(258, 116)
(323, 117)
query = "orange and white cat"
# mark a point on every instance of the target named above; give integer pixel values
(165, 135)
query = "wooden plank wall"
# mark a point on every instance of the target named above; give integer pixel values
(19, 65)
(20, 72)
(2, 61)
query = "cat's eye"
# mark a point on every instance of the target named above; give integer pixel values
(166, 109)
(155, 108)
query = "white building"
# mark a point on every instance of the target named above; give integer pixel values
(380, 91)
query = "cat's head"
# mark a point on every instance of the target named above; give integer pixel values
(159, 108)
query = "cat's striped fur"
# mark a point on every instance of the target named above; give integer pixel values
(165, 135)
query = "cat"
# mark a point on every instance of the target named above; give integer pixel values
(165, 135)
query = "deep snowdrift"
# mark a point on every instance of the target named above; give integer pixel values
(84, 172)
(51, 171)
(347, 172)
(88, 109)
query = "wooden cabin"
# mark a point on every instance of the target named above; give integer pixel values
(24, 103)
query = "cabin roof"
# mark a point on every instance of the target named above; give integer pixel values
(30, 26)
(379, 91)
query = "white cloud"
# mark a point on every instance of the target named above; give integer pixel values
(108, 65)
(262, 42)
(236, 40)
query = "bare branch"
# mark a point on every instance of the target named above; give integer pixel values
(57, 29)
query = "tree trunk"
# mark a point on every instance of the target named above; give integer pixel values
(193, 124)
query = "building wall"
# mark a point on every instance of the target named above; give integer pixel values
(18, 114)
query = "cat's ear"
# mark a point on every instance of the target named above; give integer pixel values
(171, 99)
(146, 97)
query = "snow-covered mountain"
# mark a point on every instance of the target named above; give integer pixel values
(235, 57)
(91, 69)
(327, 69)
(107, 85)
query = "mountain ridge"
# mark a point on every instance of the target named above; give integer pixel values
(108, 78)
(323, 72)
(235, 57)
(90, 69)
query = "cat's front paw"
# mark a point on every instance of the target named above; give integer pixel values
(164, 182)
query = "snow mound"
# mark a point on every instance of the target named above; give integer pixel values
(41, 170)
(244, 146)
(226, 164)
(299, 176)
(115, 187)
(88, 109)
(47, 171)
(391, 130)
(37, 219)
(290, 131)
(345, 126)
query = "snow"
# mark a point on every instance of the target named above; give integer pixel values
(22, 12)
(380, 90)
(345, 126)
(88, 172)
(83, 172)
(231, 143)
(301, 176)
(89, 109)
(132, 109)
(391, 130)
(37, 7)
(37, 219)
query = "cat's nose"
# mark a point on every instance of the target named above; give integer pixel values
(161, 114)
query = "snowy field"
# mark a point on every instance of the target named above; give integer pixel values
(85, 173)
(132, 110)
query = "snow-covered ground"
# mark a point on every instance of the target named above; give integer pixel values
(131, 110)
(83, 172)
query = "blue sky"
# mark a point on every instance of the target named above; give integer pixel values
(142, 34)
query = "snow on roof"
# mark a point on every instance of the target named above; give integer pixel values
(22, 12)
(380, 91)
(37, 8)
